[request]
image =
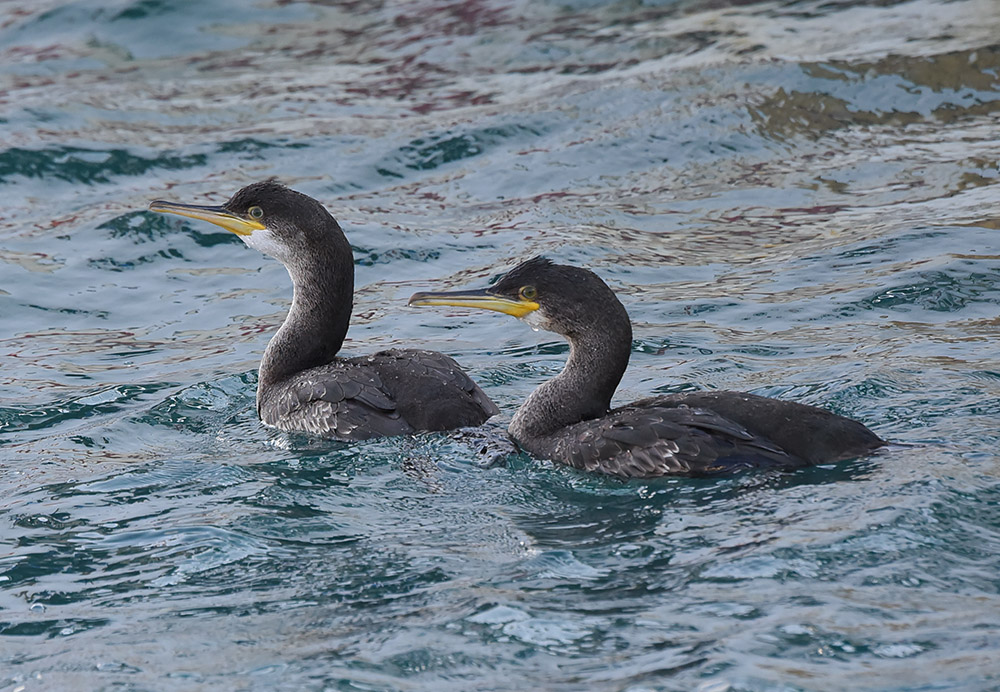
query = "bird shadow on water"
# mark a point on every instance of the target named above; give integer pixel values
(598, 538)
(565, 508)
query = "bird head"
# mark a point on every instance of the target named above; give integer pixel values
(268, 217)
(554, 297)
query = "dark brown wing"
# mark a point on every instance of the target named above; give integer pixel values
(395, 392)
(648, 441)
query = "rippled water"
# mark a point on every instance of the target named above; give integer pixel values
(795, 198)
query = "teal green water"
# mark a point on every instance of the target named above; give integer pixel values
(794, 198)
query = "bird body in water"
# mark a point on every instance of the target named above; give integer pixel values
(569, 418)
(303, 384)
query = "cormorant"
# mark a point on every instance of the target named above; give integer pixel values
(303, 384)
(568, 419)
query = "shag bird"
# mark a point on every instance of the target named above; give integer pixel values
(569, 419)
(303, 384)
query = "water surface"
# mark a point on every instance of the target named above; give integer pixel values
(794, 198)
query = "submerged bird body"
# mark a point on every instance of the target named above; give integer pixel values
(303, 385)
(568, 419)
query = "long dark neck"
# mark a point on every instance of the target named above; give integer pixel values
(314, 330)
(598, 357)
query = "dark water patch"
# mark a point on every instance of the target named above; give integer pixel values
(436, 150)
(367, 582)
(16, 419)
(676, 388)
(693, 375)
(808, 8)
(206, 406)
(257, 149)
(143, 9)
(892, 248)
(914, 537)
(145, 226)
(95, 314)
(368, 257)
(87, 166)
(985, 375)
(117, 265)
(862, 400)
(703, 308)
(506, 372)
(839, 397)
(62, 627)
(661, 346)
(140, 226)
(946, 291)
(55, 553)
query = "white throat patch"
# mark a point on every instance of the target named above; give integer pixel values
(263, 240)
(535, 320)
